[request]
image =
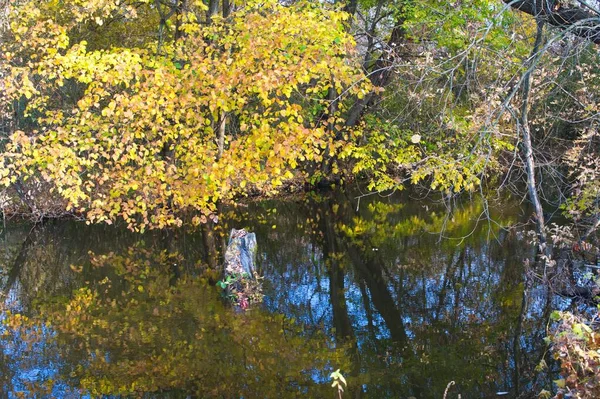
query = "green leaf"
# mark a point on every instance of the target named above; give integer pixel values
(580, 329)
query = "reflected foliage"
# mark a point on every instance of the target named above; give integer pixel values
(427, 296)
(407, 311)
(131, 330)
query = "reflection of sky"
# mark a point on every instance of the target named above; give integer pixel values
(299, 293)
(296, 282)
(358, 314)
(34, 363)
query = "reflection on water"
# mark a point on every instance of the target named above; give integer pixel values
(374, 290)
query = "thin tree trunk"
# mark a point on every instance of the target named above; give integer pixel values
(164, 16)
(213, 8)
(523, 125)
(591, 229)
(161, 33)
(326, 164)
(221, 134)
(227, 8)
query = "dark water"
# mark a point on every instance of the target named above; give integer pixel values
(373, 289)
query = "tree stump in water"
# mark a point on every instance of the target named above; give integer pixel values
(241, 253)
(241, 284)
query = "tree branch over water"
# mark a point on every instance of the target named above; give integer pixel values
(582, 21)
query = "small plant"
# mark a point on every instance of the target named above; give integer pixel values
(241, 289)
(576, 346)
(229, 280)
(338, 380)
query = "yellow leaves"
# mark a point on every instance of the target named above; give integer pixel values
(109, 110)
(287, 91)
(6, 176)
(23, 85)
(139, 141)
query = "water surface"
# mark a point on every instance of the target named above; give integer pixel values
(403, 294)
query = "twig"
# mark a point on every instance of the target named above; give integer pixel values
(448, 388)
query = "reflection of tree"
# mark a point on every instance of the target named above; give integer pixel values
(445, 300)
(36, 260)
(14, 263)
(423, 311)
(134, 331)
(418, 312)
(341, 320)
(35, 263)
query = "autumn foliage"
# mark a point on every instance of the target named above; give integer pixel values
(158, 125)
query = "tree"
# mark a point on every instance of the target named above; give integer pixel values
(468, 102)
(440, 66)
(555, 64)
(144, 132)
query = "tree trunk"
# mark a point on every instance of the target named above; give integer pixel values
(523, 126)
(180, 8)
(227, 8)
(380, 72)
(221, 134)
(24, 196)
(210, 245)
(351, 6)
(213, 8)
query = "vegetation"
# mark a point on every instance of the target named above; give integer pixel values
(143, 131)
(155, 113)
(142, 110)
(576, 348)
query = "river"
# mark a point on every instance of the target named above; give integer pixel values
(402, 293)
